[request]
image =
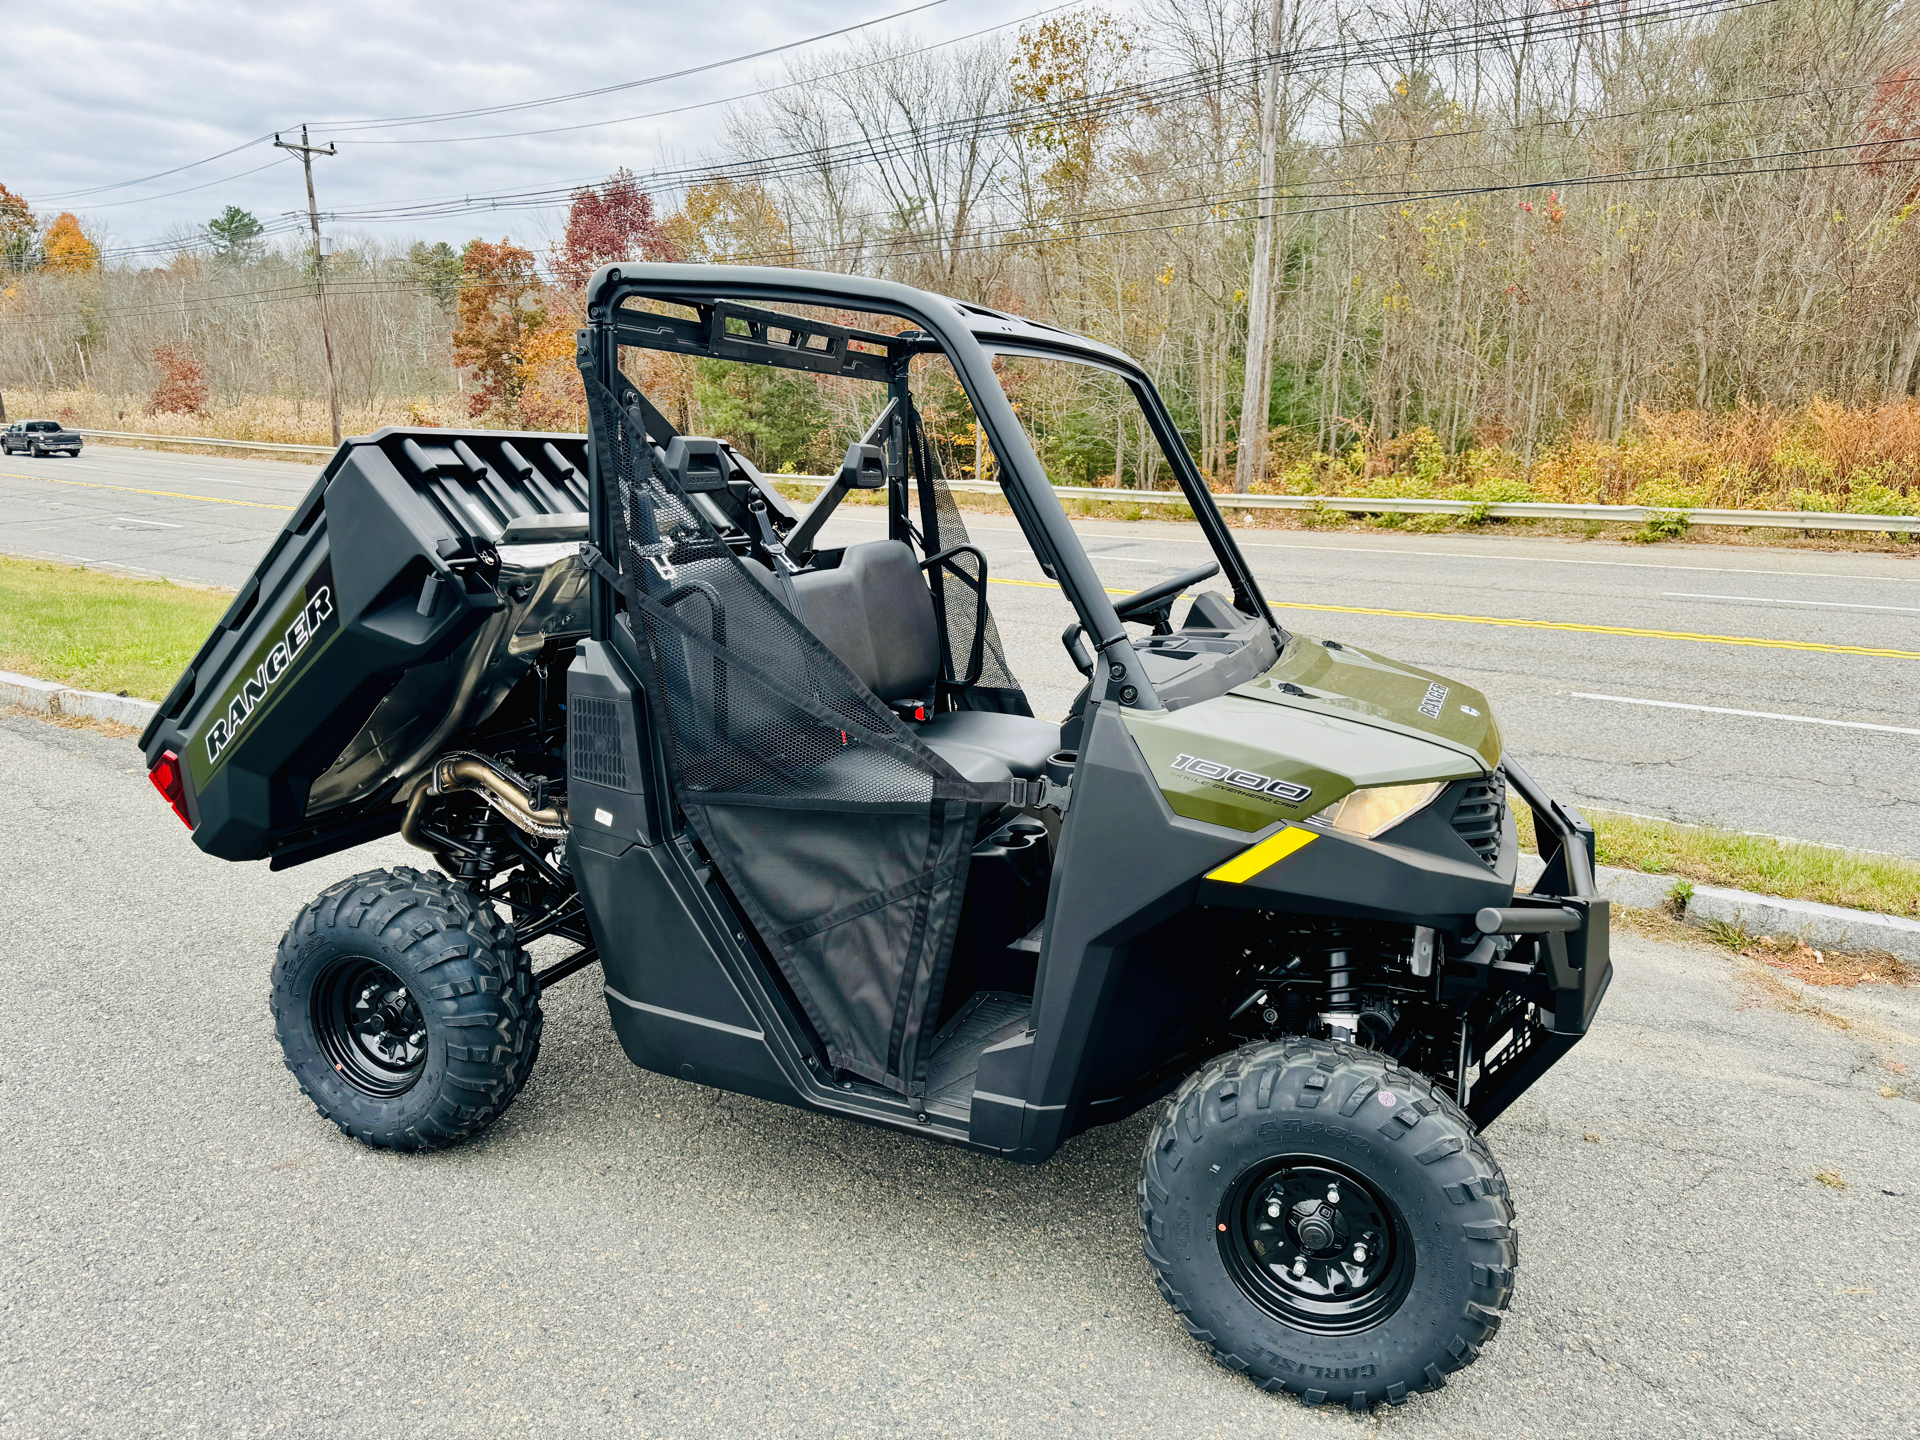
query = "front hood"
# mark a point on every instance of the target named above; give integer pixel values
(1323, 721)
(1332, 678)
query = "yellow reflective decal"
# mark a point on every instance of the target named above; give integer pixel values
(1257, 858)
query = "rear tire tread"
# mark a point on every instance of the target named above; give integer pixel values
(493, 1007)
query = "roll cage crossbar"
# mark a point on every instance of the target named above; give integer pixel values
(731, 321)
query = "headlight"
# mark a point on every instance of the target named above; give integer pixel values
(1366, 813)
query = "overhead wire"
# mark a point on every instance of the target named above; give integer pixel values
(61, 197)
(1364, 201)
(759, 92)
(897, 143)
(345, 127)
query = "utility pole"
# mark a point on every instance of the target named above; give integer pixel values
(306, 153)
(1251, 457)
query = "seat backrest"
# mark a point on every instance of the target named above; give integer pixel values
(874, 611)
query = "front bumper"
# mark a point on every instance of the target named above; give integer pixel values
(1576, 962)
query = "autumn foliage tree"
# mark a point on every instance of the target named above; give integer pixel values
(614, 222)
(67, 249)
(500, 308)
(724, 221)
(18, 232)
(182, 386)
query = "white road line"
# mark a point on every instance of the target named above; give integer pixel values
(134, 520)
(1758, 714)
(1774, 600)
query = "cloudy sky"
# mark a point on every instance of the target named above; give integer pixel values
(115, 91)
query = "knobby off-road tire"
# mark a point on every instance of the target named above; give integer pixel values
(1278, 1127)
(406, 1011)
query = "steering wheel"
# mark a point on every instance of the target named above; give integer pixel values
(1154, 603)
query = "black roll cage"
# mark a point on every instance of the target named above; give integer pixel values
(732, 323)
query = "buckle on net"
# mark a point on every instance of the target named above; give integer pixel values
(656, 556)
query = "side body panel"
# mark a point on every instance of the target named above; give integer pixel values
(1126, 864)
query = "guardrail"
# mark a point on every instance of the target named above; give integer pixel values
(209, 440)
(1353, 504)
(1504, 510)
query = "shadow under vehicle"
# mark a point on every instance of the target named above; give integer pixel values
(791, 802)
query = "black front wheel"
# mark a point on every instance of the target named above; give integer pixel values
(1327, 1223)
(406, 1010)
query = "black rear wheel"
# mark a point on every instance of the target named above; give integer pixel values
(1327, 1223)
(406, 1010)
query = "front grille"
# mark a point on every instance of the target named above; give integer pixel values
(1477, 816)
(593, 741)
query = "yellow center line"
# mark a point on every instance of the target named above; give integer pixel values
(1606, 629)
(1278, 604)
(136, 490)
(1550, 625)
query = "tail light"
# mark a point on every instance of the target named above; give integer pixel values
(167, 779)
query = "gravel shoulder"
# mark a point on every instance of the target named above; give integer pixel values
(187, 1249)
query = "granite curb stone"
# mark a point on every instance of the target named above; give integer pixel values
(1830, 927)
(52, 698)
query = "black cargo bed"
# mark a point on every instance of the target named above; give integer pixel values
(388, 564)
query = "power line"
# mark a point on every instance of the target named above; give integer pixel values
(1367, 200)
(757, 93)
(390, 122)
(168, 195)
(60, 197)
(291, 222)
(895, 144)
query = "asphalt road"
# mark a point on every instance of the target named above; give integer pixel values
(1545, 627)
(187, 1249)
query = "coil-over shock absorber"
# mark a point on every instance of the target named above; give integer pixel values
(1341, 1017)
(481, 837)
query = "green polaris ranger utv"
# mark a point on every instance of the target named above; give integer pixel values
(791, 802)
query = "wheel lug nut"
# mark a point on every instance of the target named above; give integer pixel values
(1273, 1210)
(1300, 1265)
(1334, 1195)
(1360, 1253)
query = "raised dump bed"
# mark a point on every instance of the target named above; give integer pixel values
(417, 583)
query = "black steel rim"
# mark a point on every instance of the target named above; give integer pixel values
(1315, 1246)
(370, 1028)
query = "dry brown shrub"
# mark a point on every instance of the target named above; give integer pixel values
(182, 387)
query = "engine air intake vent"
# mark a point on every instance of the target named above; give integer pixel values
(1477, 816)
(593, 742)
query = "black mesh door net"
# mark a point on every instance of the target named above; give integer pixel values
(844, 838)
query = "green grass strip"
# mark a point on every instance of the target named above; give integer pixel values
(96, 631)
(1796, 870)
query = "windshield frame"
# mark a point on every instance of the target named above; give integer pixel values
(963, 333)
(1248, 598)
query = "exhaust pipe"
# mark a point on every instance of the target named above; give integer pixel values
(495, 784)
